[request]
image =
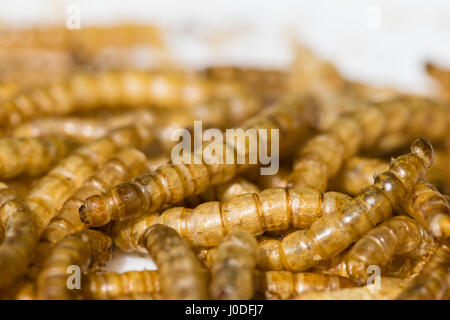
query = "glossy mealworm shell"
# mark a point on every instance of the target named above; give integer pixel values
(284, 285)
(20, 236)
(181, 274)
(274, 209)
(111, 285)
(331, 234)
(172, 183)
(430, 208)
(398, 235)
(434, 279)
(30, 156)
(124, 166)
(85, 249)
(232, 270)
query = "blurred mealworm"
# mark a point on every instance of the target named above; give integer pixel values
(114, 90)
(331, 234)
(398, 235)
(369, 127)
(20, 235)
(209, 223)
(430, 208)
(434, 279)
(181, 274)
(172, 183)
(82, 130)
(86, 250)
(124, 166)
(441, 75)
(278, 180)
(89, 39)
(268, 83)
(389, 288)
(232, 270)
(284, 285)
(439, 173)
(221, 192)
(52, 190)
(31, 156)
(357, 174)
(111, 285)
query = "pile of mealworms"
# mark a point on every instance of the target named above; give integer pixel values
(357, 210)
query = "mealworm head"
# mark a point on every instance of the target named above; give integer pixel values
(93, 212)
(423, 149)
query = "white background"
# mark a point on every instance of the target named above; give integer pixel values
(260, 32)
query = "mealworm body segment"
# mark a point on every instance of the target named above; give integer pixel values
(357, 174)
(85, 249)
(20, 236)
(331, 234)
(125, 165)
(434, 279)
(31, 156)
(232, 270)
(172, 183)
(51, 191)
(111, 285)
(430, 208)
(181, 274)
(284, 285)
(397, 235)
(274, 209)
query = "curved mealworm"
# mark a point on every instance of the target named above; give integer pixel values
(31, 156)
(171, 183)
(428, 206)
(331, 234)
(397, 235)
(20, 236)
(274, 209)
(181, 274)
(434, 279)
(84, 249)
(232, 270)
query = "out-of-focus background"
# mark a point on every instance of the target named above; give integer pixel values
(381, 42)
(377, 41)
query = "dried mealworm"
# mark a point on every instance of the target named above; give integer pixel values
(357, 174)
(31, 156)
(86, 249)
(441, 75)
(114, 90)
(124, 166)
(385, 125)
(430, 208)
(397, 235)
(222, 192)
(19, 238)
(172, 183)
(181, 274)
(111, 285)
(434, 279)
(232, 270)
(389, 288)
(283, 285)
(51, 191)
(206, 225)
(331, 234)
